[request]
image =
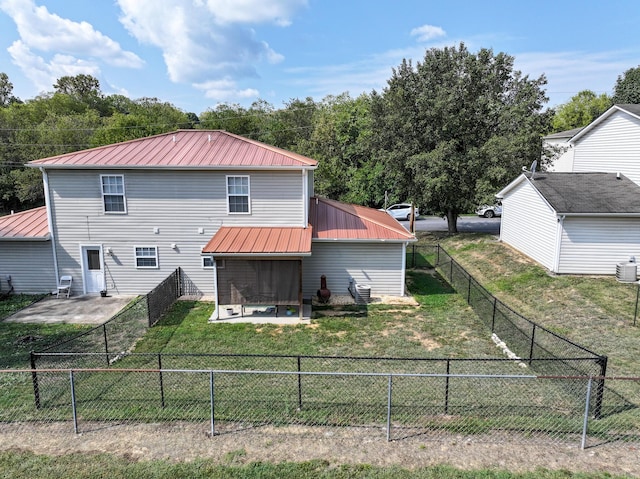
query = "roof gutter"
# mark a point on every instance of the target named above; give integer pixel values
(47, 201)
(358, 240)
(22, 238)
(175, 167)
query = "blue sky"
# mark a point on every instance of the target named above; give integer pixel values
(199, 53)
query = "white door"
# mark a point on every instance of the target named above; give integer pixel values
(92, 269)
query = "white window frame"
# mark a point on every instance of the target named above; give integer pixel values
(137, 256)
(108, 193)
(247, 195)
(206, 266)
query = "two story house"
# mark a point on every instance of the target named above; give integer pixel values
(239, 218)
(584, 216)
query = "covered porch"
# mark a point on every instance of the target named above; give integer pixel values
(258, 273)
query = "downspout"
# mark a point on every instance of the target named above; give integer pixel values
(559, 230)
(305, 196)
(404, 268)
(216, 312)
(47, 202)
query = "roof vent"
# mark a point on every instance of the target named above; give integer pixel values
(174, 138)
(618, 175)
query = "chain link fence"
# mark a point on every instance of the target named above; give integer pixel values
(487, 408)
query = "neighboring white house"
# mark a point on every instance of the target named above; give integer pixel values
(585, 219)
(236, 215)
(559, 150)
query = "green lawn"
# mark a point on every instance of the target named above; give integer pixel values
(21, 465)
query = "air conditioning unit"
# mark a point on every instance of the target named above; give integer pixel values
(627, 272)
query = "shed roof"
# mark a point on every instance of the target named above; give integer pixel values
(26, 225)
(260, 241)
(182, 149)
(333, 220)
(588, 193)
(329, 220)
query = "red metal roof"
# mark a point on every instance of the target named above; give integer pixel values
(268, 241)
(182, 149)
(332, 220)
(26, 225)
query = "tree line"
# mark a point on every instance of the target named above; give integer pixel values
(445, 133)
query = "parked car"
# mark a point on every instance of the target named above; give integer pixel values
(490, 211)
(402, 211)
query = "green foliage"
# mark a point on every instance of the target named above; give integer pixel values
(457, 127)
(580, 110)
(627, 89)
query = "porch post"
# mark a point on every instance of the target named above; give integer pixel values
(216, 312)
(300, 300)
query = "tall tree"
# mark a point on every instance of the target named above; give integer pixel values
(627, 89)
(580, 110)
(6, 91)
(456, 128)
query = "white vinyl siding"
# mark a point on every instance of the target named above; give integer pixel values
(113, 198)
(30, 265)
(186, 208)
(611, 147)
(596, 245)
(378, 265)
(529, 224)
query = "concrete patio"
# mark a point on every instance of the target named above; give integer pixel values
(86, 309)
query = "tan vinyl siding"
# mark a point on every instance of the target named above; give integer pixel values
(529, 224)
(375, 264)
(30, 264)
(596, 245)
(185, 208)
(611, 147)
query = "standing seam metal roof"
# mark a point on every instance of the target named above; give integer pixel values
(182, 149)
(26, 225)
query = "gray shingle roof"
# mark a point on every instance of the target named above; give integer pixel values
(588, 193)
(630, 107)
(563, 134)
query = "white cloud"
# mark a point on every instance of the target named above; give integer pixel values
(47, 32)
(225, 90)
(570, 72)
(427, 32)
(51, 46)
(205, 41)
(44, 74)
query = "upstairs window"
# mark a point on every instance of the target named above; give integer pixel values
(113, 197)
(238, 194)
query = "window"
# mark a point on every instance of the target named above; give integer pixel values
(113, 193)
(146, 257)
(238, 194)
(207, 262)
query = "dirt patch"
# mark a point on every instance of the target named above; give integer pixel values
(186, 442)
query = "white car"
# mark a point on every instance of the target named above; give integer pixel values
(490, 211)
(402, 211)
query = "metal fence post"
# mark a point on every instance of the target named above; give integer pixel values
(437, 254)
(34, 379)
(602, 361)
(161, 380)
(389, 390)
(73, 402)
(533, 342)
(211, 395)
(106, 345)
(446, 389)
(469, 291)
(299, 386)
(493, 316)
(586, 414)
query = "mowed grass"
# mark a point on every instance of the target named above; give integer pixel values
(442, 325)
(594, 311)
(22, 465)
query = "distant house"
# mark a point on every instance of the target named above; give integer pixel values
(558, 146)
(583, 223)
(582, 216)
(239, 217)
